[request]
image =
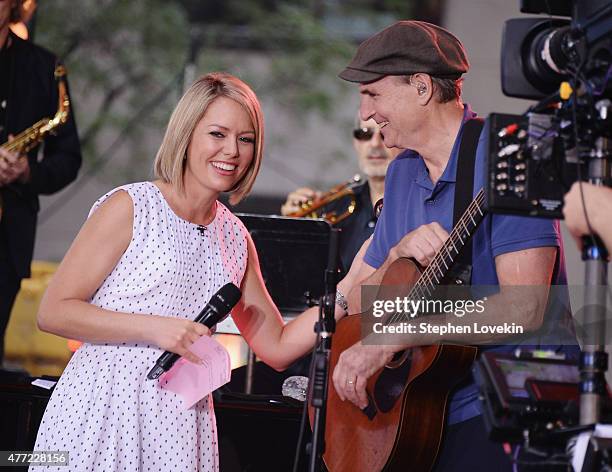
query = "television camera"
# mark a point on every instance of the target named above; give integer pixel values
(566, 64)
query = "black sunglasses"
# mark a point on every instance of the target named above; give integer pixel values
(363, 134)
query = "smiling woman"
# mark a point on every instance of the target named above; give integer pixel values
(153, 254)
(226, 109)
(222, 147)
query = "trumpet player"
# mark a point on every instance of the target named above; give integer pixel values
(373, 159)
(28, 93)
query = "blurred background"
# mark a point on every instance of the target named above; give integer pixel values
(129, 61)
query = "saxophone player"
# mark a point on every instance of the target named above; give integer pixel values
(28, 92)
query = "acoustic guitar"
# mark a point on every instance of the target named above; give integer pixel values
(401, 428)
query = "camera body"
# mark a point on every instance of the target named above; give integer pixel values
(539, 53)
(566, 63)
(529, 172)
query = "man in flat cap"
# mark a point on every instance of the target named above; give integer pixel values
(410, 78)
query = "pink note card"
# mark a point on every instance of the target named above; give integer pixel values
(193, 381)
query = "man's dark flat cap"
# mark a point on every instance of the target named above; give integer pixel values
(408, 47)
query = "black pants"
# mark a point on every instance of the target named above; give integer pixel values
(466, 447)
(9, 286)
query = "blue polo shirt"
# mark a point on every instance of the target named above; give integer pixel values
(412, 200)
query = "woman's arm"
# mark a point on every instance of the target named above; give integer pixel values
(65, 309)
(261, 324)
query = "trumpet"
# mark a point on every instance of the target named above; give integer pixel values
(320, 207)
(31, 137)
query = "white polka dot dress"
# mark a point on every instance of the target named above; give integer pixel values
(103, 410)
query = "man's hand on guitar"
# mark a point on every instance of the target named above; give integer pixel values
(355, 366)
(422, 244)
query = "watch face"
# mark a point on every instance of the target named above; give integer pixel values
(378, 208)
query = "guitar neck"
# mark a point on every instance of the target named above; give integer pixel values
(447, 255)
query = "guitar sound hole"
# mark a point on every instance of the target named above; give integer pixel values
(391, 382)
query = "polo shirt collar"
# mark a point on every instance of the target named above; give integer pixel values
(450, 172)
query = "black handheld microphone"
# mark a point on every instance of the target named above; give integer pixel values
(217, 308)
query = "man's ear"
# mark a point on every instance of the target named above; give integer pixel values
(424, 87)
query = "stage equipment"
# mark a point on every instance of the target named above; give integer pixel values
(257, 432)
(293, 255)
(527, 395)
(539, 54)
(319, 370)
(293, 258)
(529, 172)
(567, 64)
(530, 399)
(295, 387)
(21, 408)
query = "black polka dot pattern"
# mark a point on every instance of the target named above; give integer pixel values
(103, 410)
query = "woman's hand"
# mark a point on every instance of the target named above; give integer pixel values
(177, 335)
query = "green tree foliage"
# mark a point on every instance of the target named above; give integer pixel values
(124, 56)
(119, 54)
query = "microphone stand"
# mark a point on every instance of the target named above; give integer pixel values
(594, 359)
(324, 328)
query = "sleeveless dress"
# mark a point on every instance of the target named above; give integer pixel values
(103, 410)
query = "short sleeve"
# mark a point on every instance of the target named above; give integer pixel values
(515, 233)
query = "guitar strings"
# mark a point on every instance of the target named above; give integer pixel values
(424, 289)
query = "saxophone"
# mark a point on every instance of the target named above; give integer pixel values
(34, 135)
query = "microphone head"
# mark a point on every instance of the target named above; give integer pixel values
(227, 297)
(296, 387)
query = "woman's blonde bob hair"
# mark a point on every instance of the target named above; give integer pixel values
(170, 160)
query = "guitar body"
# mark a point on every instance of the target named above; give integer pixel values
(401, 430)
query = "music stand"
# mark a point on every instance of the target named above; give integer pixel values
(293, 256)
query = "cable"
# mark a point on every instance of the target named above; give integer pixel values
(576, 144)
(602, 89)
(604, 11)
(591, 234)
(547, 459)
(515, 459)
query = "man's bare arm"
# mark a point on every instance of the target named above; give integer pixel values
(529, 269)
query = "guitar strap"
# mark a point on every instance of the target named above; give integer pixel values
(464, 190)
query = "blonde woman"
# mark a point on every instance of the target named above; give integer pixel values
(149, 257)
